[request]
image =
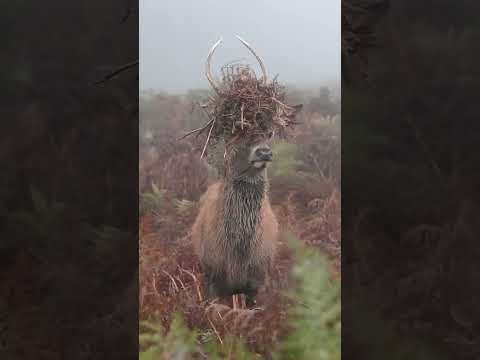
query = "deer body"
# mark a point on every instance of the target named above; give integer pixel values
(236, 231)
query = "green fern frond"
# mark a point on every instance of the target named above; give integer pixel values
(317, 315)
(183, 206)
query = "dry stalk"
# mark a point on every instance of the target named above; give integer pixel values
(208, 137)
(173, 280)
(196, 130)
(154, 283)
(181, 283)
(215, 330)
(218, 308)
(195, 280)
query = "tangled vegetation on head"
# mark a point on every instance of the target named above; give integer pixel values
(249, 107)
(245, 107)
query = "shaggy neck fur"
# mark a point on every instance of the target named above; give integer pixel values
(242, 204)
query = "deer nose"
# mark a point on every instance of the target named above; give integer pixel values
(264, 154)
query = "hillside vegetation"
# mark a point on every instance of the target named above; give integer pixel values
(298, 314)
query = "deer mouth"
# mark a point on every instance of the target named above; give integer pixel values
(260, 164)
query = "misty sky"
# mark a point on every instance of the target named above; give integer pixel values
(300, 40)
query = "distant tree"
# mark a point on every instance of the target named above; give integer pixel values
(323, 104)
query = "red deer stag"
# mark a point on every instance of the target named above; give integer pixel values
(236, 231)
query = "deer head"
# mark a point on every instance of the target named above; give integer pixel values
(247, 159)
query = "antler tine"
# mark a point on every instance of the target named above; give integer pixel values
(259, 59)
(208, 70)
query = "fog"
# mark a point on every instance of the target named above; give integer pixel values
(299, 40)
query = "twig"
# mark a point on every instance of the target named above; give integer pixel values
(280, 103)
(154, 283)
(241, 115)
(117, 71)
(173, 280)
(200, 298)
(208, 138)
(194, 131)
(181, 283)
(215, 329)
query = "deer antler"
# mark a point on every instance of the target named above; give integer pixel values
(208, 70)
(259, 59)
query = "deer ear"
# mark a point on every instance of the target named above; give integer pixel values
(297, 108)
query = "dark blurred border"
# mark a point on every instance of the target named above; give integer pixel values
(69, 180)
(410, 179)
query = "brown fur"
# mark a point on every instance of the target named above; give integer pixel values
(235, 234)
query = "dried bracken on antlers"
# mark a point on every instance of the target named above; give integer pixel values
(244, 106)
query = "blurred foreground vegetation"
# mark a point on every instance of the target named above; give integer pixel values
(315, 318)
